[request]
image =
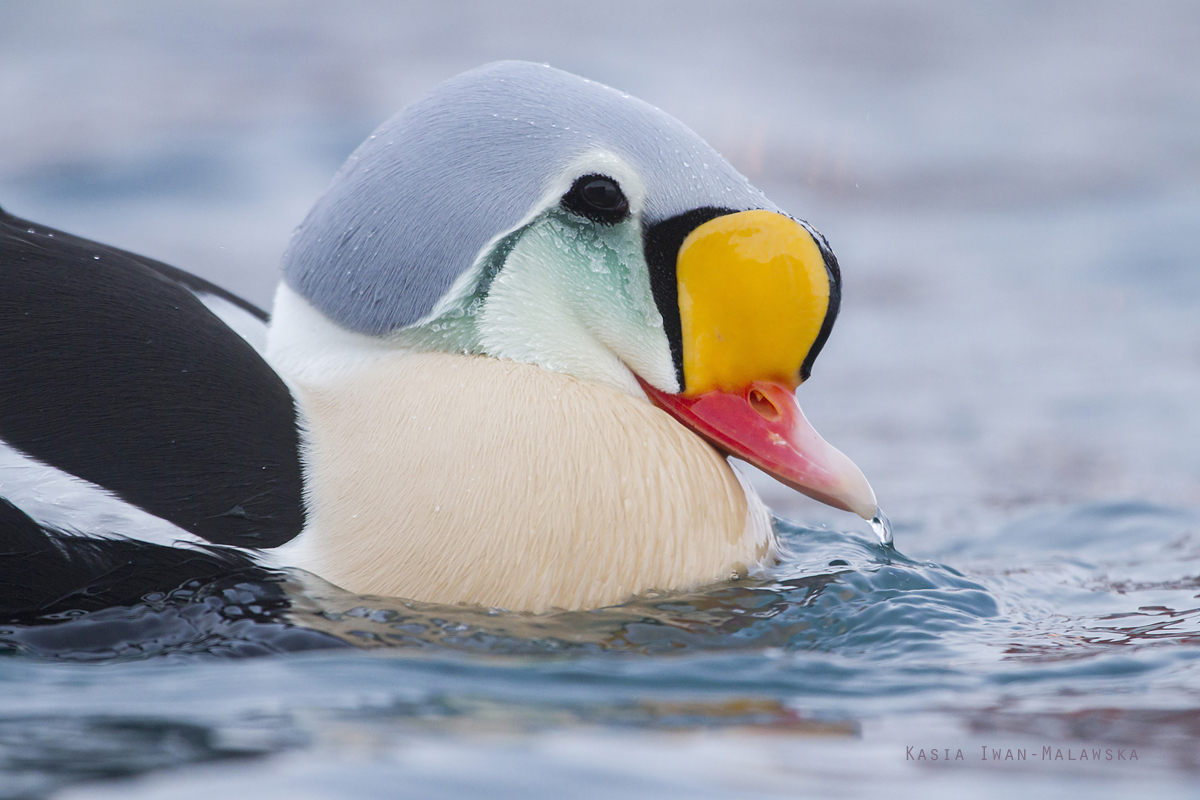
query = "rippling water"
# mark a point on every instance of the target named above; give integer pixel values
(1076, 630)
(1013, 193)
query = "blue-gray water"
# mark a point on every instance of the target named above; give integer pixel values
(1014, 195)
(1075, 630)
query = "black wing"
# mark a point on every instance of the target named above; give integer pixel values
(214, 600)
(46, 571)
(113, 370)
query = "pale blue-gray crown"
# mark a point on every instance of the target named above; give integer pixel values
(415, 203)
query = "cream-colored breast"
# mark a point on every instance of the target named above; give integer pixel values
(461, 479)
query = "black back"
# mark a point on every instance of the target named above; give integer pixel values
(111, 369)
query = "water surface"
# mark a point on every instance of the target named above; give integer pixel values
(1075, 629)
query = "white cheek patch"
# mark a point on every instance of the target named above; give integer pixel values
(596, 161)
(574, 297)
(566, 293)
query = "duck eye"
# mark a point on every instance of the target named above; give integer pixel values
(603, 194)
(598, 198)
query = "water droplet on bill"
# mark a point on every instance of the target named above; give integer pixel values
(882, 527)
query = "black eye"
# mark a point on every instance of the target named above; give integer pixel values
(598, 198)
(603, 194)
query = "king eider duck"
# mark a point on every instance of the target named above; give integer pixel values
(514, 344)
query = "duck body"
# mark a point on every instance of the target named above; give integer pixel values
(507, 340)
(675, 514)
(582, 492)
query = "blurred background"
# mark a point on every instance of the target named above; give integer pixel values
(1013, 191)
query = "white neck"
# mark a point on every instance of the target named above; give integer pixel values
(307, 348)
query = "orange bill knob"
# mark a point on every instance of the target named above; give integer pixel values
(763, 424)
(754, 295)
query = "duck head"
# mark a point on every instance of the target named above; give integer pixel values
(523, 213)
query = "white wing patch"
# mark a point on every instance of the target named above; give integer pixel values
(241, 321)
(68, 503)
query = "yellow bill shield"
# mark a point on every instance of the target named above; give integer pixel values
(753, 294)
